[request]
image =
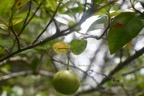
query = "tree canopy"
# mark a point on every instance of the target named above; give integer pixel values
(101, 40)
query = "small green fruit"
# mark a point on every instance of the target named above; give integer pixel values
(66, 82)
(76, 28)
(71, 23)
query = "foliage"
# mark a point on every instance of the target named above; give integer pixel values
(34, 46)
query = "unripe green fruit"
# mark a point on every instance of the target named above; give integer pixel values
(71, 23)
(76, 28)
(66, 82)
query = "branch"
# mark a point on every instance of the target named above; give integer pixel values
(26, 23)
(45, 73)
(132, 4)
(123, 64)
(76, 68)
(104, 32)
(47, 24)
(133, 71)
(16, 37)
(116, 69)
(13, 75)
(84, 18)
(56, 35)
(30, 47)
(23, 73)
(29, 10)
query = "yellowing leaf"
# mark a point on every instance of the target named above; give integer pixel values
(20, 3)
(17, 20)
(61, 47)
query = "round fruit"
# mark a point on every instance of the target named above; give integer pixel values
(66, 82)
(71, 23)
(76, 28)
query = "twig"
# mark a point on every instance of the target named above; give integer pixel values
(76, 68)
(29, 10)
(13, 75)
(104, 32)
(11, 27)
(89, 14)
(23, 73)
(84, 9)
(30, 47)
(26, 22)
(91, 61)
(45, 73)
(132, 4)
(133, 71)
(56, 35)
(47, 24)
(123, 64)
(16, 37)
(116, 69)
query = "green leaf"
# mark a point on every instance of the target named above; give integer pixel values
(5, 7)
(34, 64)
(78, 46)
(52, 4)
(123, 29)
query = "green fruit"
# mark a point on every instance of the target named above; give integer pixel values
(76, 28)
(66, 82)
(71, 23)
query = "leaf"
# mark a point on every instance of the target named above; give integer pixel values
(17, 20)
(101, 22)
(123, 29)
(3, 26)
(34, 64)
(61, 47)
(52, 4)
(78, 46)
(20, 3)
(5, 7)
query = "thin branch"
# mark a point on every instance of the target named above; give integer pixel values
(56, 25)
(45, 73)
(23, 73)
(132, 5)
(104, 32)
(118, 83)
(29, 10)
(13, 75)
(84, 18)
(91, 62)
(28, 21)
(116, 69)
(30, 47)
(133, 71)
(16, 37)
(56, 35)
(76, 68)
(47, 24)
(10, 26)
(84, 9)
(123, 64)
